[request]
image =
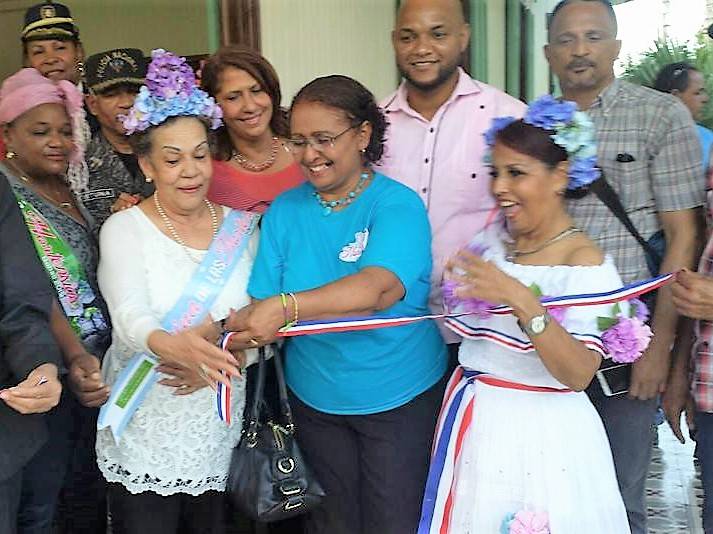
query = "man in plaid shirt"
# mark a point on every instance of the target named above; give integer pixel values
(649, 152)
(690, 384)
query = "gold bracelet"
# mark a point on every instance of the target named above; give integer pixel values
(297, 308)
(283, 298)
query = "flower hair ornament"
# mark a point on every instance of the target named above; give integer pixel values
(170, 91)
(573, 131)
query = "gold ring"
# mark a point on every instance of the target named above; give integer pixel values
(203, 371)
(254, 342)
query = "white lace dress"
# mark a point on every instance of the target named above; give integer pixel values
(544, 452)
(173, 444)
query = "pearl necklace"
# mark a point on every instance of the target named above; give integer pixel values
(246, 164)
(172, 229)
(515, 253)
(329, 205)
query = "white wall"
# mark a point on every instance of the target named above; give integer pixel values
(304, 39)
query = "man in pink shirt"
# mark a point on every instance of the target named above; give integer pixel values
(437, 118)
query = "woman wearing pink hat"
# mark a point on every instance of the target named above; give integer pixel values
(41, 124)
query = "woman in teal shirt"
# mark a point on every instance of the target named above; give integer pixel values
(351, 242)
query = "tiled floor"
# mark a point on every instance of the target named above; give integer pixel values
(673, 489)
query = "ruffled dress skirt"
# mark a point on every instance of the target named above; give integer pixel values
(511, 450)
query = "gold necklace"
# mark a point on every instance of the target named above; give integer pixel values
(515, 253)
(251, 166)
(172, 229)
(52, 200)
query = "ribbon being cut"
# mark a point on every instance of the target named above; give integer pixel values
(614, 324)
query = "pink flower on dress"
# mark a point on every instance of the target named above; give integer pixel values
(627, 339)
(526, 522)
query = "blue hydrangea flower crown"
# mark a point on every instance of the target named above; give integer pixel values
(573, 131)
(170, 91)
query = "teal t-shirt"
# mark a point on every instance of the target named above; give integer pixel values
(301, 248)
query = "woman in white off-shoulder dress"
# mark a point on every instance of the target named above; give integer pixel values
(519, 448)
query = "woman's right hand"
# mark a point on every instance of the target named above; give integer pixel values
(188, 349)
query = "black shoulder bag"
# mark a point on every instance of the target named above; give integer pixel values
(269, 480)
(615, 378)
(654, 247)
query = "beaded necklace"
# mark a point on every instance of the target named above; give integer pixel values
(329, 205)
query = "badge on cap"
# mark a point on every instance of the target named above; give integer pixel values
(48, 12)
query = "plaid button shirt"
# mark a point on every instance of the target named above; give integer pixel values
(648, 148)
(702, 372)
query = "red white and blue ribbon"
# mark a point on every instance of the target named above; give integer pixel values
(457, 413)
(626, 292)
(223, 392)
(304, 328)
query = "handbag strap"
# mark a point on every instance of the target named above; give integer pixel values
(285, 408)
(259, 392)
(605, 192)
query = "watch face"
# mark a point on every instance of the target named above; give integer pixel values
(538, 324)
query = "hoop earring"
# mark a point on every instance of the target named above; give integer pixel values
(80, 69)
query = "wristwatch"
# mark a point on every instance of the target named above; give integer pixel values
(536, 325)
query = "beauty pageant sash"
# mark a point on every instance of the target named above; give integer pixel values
(136, 379)
(70, 282)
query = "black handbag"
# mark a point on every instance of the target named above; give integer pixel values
(269, 479)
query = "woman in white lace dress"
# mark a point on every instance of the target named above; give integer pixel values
(169, 466)
(519, 447)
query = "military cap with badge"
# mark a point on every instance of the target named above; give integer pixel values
(49, 20)
(121, 66)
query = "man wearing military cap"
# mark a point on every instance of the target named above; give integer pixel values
(51, 42)
(113, 79)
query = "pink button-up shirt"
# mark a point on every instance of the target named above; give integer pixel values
(442, 160)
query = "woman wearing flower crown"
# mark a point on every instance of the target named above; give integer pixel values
(252, 164)
(170, 265)
(519, 447)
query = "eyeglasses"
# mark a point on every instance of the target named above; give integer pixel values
(319, 142)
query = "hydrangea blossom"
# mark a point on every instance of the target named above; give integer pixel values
(170, 91)
(573, 131)
(626, 337)
(498, 124)
(455, 303)
(547, 112)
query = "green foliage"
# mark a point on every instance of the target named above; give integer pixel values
(644, 69)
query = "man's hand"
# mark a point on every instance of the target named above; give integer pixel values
(692, 294)
(675, 402)
(38, 393)
(125, 201)
(650, 372)
(85, 380)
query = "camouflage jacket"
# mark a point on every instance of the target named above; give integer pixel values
(108, 178)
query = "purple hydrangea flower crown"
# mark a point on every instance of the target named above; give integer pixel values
(573, 131)
(170, 91)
